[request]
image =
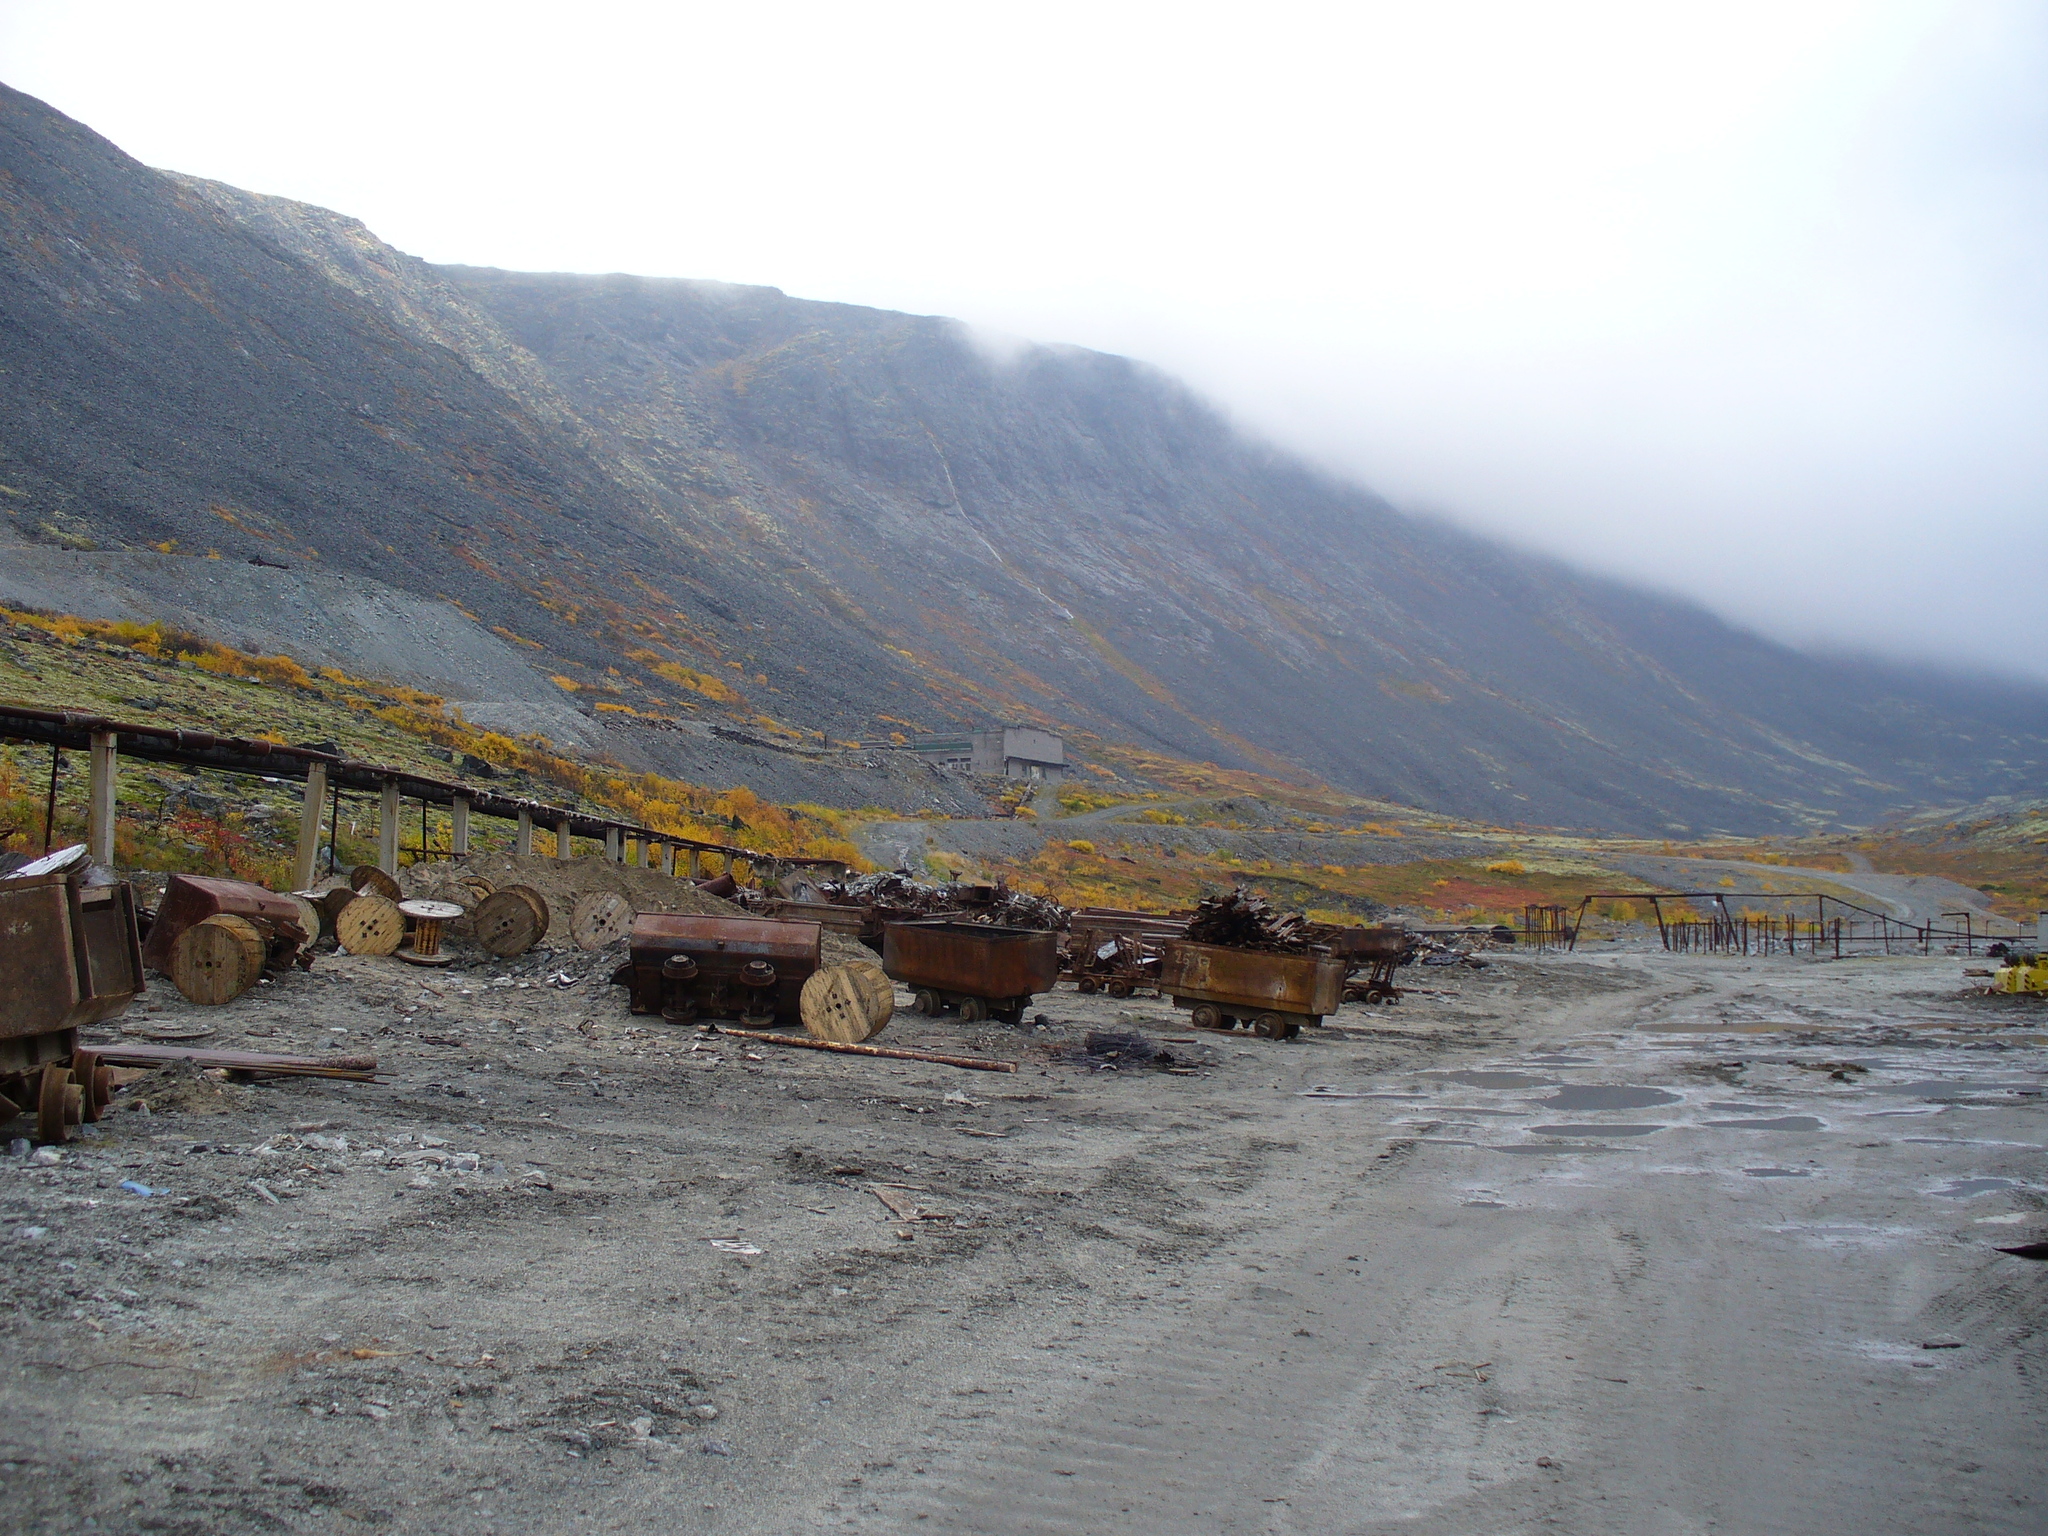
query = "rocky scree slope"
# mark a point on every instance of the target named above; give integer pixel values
(716, 496)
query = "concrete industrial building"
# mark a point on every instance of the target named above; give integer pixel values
(1014, 752)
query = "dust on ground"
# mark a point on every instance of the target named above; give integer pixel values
(1601, 1244)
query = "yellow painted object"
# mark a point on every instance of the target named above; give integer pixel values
(2022, 973)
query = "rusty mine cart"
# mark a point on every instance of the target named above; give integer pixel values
(688, 968)
(984, 971)
(1374, 952)
(1273, 993)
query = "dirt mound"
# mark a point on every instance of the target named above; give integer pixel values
(561, 882)
(179, 1088)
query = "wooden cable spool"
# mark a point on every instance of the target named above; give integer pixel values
(847, 1003)
(538, 902)
(427, 920)
(370, 925)
(368, 877)
(477, 886)
(330, 904)
(600, 918)
(507, 923)
(310, 917)
(217, 960)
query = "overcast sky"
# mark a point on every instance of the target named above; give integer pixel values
(1746, 301)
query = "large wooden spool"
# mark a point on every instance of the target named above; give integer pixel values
(847, 1003)
(217, 960)
(600, 918)
(538, 902)
(310, 916)
(368, 877)
(511, 921)
(370, 925)
(331, 904)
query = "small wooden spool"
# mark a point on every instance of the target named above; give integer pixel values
(847, 1003)
(599, 918)
(506, 924)
(427, 918)
(370, 925)
(477, 886)
(368, 877)
(217, 960)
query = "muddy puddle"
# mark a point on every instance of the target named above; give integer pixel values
(1969, 1189)
(1781, 1123)
(1594, 1130)
(1585, 1096)
(1777, 1173)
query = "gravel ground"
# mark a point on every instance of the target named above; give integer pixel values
(1620, 1243)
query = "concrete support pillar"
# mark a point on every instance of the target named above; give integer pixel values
(667, 854)
(562, 839)
(99, 820)
(311, 811)
(387, 828)
(614, 845)
(458, 816)
(523, 842)
(696, 864)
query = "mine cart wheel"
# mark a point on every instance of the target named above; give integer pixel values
(679, 1013)
(50, 1121)
(1118, 989)
(1208, 1016)
(924, 1000)
(1271, 1025)
(95, 1080)
(1084, 984)
(972, 1010)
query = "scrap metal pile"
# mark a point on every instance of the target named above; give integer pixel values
(1242, 920)
(895, 896)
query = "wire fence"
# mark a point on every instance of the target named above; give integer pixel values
(1836, 928)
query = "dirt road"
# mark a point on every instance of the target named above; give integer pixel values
(1629, 1243)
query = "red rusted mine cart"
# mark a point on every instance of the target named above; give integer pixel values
(982, 970)
(1273, 993)
(686, 968)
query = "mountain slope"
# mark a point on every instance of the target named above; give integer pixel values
(698, 495)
